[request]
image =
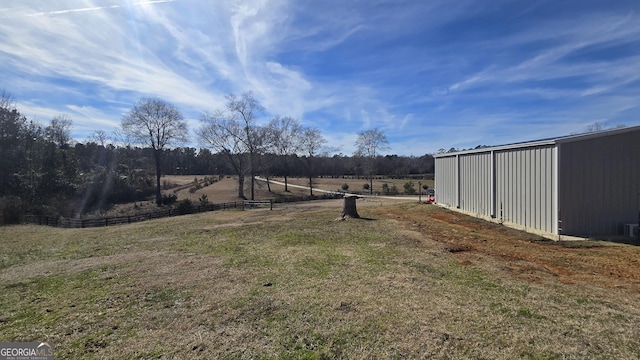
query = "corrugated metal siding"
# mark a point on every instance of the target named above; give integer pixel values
(599, 184)
(475, 183)
(514, 185)
(525, 187)
(446, 180)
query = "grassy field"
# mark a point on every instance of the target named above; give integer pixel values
(406, 281)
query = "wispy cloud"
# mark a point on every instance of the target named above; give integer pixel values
(95, 8)
(462, 73)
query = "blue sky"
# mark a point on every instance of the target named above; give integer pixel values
(429, 74)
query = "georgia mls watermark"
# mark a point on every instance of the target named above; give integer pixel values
(26, 350)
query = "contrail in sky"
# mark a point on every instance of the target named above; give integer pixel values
(58, 12)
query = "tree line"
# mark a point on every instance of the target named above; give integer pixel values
(46, 172)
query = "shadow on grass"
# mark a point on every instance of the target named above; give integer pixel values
(623, 240)
(590, 242)
(358, 218)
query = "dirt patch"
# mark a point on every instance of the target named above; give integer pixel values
(527, 256)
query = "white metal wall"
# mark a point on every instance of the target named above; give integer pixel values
(446, 180)
(476, 187)
(513, 185)
(525, 187)
(582, 185)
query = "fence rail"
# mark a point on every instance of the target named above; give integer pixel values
(127, 219)
(257, 203)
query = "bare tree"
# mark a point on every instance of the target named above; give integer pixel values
(599, 126)
(59, 130)
(311, 146)
(284, 138)
(156, 123)
(234, 133)
(368, 145)
(246, 108)
(99, 137)
(7, 101)
(595, 127)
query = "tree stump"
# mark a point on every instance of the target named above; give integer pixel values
(349, 208)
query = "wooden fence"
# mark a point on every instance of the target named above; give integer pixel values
(108, 221)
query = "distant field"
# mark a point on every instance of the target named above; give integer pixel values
(407, 281)
(226, 190)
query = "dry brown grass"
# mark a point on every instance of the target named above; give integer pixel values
(407, 281)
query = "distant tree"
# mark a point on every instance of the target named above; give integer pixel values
(60, 167)
(311, 146)
(357, 163)
(234, 133)
(7, 101)
(99, 137)
(246, 108)
(368, 145)
(12, 143)
(59, 130)
(409, 188)
(158, 124)
(595, 127)
(598, 126)
(284, 138)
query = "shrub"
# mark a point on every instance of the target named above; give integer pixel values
(193, 189)
(169, 199)
(204, 200)
(11, 210)
(345, 187)
(408, 188)
(185, 207)
(385, 188)
(365, 186)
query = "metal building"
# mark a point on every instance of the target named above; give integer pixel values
(579, 185)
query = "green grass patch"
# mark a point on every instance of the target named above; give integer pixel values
(290, 284)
